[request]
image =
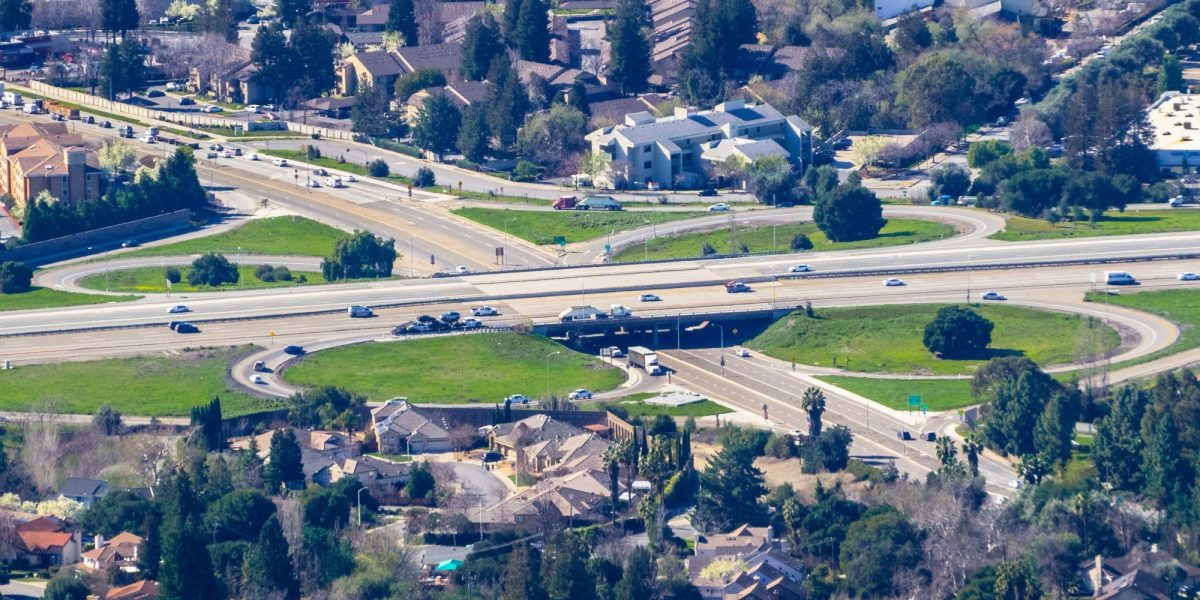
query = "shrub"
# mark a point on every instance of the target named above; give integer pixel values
(283, 274)
(173, 275)
(424, 178)
(378, 168)
(15, 277)
(312, 152)
(800, 242)
(302, 279)
(707, 249)
(958, 332)
(265, 273)
(525, 171)
(212, 270)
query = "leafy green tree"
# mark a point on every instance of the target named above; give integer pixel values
(564, 565)
(958, 332)
(512, 13)
(522, 580)
(911, 34)
(971, 449)
(1032, 192)
(937, 88)
(150, 552)
(773, 180)
(324, 556)
(1164, 468)
(437, 124)
(361, 255)
(421, 483)
(980, 154)
(730, 488)
(473, 134)
(1055, 430)
(801, 242)
(532, 35)
(284, 465)
(371, 114)
(278, 65)
(15, 15)
(66, 587)
(327, 407)
(313, 46)
(1017, 580)
(829, 451)
(1170, 75)
(1018, 392)
(637, 581)
(268, 567)
(239, 515)
(551, 138)
(481, 44)
(418, 80)
(947, 453)
(292, 11)
(629, 64)
(119, 16)
(878, 547)
(325, 507)
(212, 270)
(821, 180)
(849, 213)
(950, 179)
(123, 68)
(813, 404)
(402, 20)
(117, 511)
(15, 277)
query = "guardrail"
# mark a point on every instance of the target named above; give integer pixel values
(664, 286)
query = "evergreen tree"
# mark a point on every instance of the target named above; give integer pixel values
(402, 20)
(849, 213)
(512, 13)
(15, 15)
(119, 16)
(506, 100)
(1017, 391)
(268, 569)
(473, 134)
(481, 44)
(1164, 469)
(1055, 430)
(371, 114)
(150, 552)
(277, 64)
(730, 488)
(576, 97)
(637, 581)
(629, 64)
(533, 31)
(564, 565)
(313, 47)
(437, 124)
(292, 11)
(186, 571)
(521, 576)
(208, 419)
(283, 464)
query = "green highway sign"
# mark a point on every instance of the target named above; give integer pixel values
(914, 400)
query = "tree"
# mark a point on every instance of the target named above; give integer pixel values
(117, 511)
(208, 418)
(107, 420)
(958, 332)
(239, 515)
(421, 483)
(402, 20)
(371, 114)
(1165, 471)
(1018, 392)
(15, 277)
(911, 34)
(327, 407)
(1017, 580)
(730, 488)
(186, 571)
(521, 576)
(829, 451)
(473, 134)
(507, 101)
(951, 179)
(361, 255)
(1030, 131)
(971, 449)
(150, 552)
(436, 126)
(813, 404)
(115, 157)
(268, 567)
(1055, 430)
(278, 66)
(15, 15)
(551, 138)
(66, 587)
(481, 44)
(980, 154)
(292, 11)
(564, 565)
(1118, 446)
(283, 466)
(937, 88)
(123, 68)
(629, 63)
(849, 213)
(637, 581)
(877, 548)
(313, 45)
(801, 242)
(773, 180)
(119, 16)
(532, 35)
(418, 80)
(947, 453)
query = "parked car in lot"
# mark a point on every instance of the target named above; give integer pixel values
(187, 101)
(294, 350)
(580, 394)
(992, 296)
(484, 311)
(649, 298)
(155, 94)
(178, 308)
(800, 269)
(1189, 276)
(517, 399)
(211, 109)
(893, 282)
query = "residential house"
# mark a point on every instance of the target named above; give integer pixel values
(333, 108)
(84, 491)
(671, 35)
(380, 475)
(565, 455)
(319, 451)
(141, 590)
(445, 57)
(461, 93)
(401, 428)
(614, 107)
(38, 542)
(580, 497)
(235, 82)
(121, 552)
(1136, 575)
(745, 563)
(670, 150)
(451, 15)
(37, 157)
(507, 438)
(376, 68)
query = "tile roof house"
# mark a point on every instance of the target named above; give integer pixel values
(401, 428)
(46, 156)
(578, 497)
(662, 150)
(506, 438)
(1133, 576)
(84, 491)
(141, 590)
(43, 541)
(120, 552)
(744, 563)
(461, 93)
(381, 68)
(378, 474)
(564, 454)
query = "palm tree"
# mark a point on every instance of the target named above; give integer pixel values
(947, 452)
(972, 449)
(614, 456)
(813, 403)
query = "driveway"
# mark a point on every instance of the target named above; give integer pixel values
(18, 590)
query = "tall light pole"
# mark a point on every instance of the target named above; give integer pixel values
(506, 240)
(548, 372)
(412, 265)
(722, 327)
(360, 491)
(969, 256)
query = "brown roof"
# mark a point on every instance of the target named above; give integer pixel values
(441, 57)
(379, 63)
(43, 535)
(142, 590)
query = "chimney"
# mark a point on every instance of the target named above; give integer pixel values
(1097, 575)
(99, 541)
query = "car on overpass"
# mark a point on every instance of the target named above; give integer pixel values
(483, 311)
(1189, 276)
(801, 269)
(649, 298)
(580, 394)
(893, 282)
(178, 308)
(992, 296)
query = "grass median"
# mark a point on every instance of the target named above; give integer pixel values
(634, 406)
(889, 338)
(765, 238)
(273, 236)
(157, 386)
(1019, 229)
(936, 394)
(333, 163)
(152, 280)
(483, 368)
(40, 297)
(541, 227)
(1181, 307)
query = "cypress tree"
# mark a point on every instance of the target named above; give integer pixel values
(512, 13)
(150, 552)
(186, 572)
(533, 31)
(481, 44)
(268, 568)
(473, 134)
(402, 20)
(284, 464)
(629, 67)
(521, 580)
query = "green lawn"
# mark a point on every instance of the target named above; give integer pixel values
(331, 163)
(150, 280)
(937, 394)
(1181, 307)
(158, 386)
(634, 406)
(761, 238)
(274, 236)
(889, 338)
(483, 368)
(1113, 223)
(540, 227)
(39, 297)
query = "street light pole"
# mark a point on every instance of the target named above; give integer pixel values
(360, 491)
(412, 265)
(969, 256)
(722, 327)
(548, 372)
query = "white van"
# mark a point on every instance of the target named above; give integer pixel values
(13, 98)
(335, 182)
(1119, 278)
(359, 312)
(281, 162)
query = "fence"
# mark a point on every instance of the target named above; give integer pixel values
(149, 226)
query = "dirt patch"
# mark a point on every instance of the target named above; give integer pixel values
(780, 471)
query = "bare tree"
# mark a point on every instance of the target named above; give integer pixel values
(1092, 356)
(291, 519)
(429, 18)
(40, 452)
(1029, 132)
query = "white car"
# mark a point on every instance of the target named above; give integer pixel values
(649, 298)
(257, 379)
(893, 282)
(212, 109)
(280, 162)
(517, 399)
(149, 139)
(313, 183)
(484, 311)
(801, 269)
(461, 270)
(1189, 276)
(580, 394)
(471, 323)
(226, 154)
(718, 207)
(178, 308)
(251, 157)
(350, 179)
(992, 296)
(744, 353)
(253, 108)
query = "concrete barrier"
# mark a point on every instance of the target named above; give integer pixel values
(37, 252)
